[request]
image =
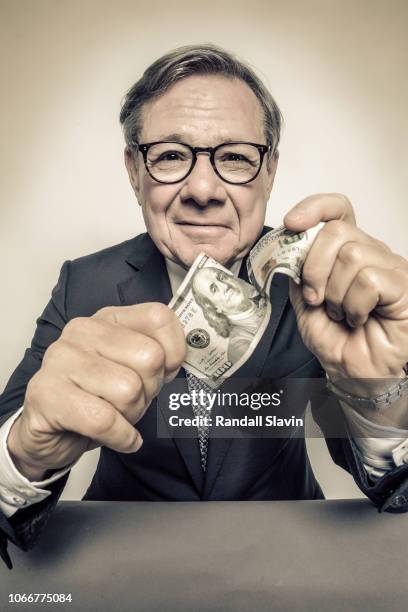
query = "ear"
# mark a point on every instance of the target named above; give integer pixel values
(272, 164)
(132, 169)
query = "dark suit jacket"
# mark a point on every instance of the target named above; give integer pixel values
(170, 469)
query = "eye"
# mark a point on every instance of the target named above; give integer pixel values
(221, 276)
(167, 158)
(237, 160)
(171, 156)
(234, 157)
(213, 288)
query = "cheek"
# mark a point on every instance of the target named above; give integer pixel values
(218, 301)
(250, 208)
(156, 199)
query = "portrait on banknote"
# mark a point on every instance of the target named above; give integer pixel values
(232, 307)
(223, 318)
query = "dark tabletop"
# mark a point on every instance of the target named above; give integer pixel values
(227, 556)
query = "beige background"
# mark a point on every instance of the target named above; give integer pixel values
(337, 69)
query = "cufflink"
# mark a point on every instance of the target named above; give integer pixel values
(12, 499)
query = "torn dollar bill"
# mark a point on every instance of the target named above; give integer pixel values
(223, 318)
(280, 250)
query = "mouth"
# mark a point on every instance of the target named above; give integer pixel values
(210, 230)
(200, 224)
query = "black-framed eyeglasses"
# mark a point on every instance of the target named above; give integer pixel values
(170, 162)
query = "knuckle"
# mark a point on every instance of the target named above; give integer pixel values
(351, 254)
(128, 388)
(152, 355)
(108, 313)
(75, 326)
(36, 387)
(335, 228)
(56, 351)
(382, 245)
(368, 278)
(101, 419)
(400, 262)
(343, 198)
(83, 329)
(160, 315)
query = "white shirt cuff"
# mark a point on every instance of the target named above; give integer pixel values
(16, 491)
(380, 448)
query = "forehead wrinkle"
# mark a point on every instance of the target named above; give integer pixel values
(224, 109)
(197, 131)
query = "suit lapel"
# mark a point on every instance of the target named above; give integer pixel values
(149, 282)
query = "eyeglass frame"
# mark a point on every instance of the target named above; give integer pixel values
(144, 148)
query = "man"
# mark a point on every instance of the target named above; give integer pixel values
(106, 342)
(231, 307)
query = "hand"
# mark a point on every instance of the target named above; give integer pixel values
(352, 308)
(95, 383)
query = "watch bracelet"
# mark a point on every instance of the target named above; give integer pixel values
(378, 403)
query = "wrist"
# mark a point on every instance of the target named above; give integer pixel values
(24, 464)
(366, 387)
(383, 401)
(30, 472)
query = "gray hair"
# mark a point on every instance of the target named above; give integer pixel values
(186, 61)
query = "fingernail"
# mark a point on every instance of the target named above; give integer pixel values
(334, 314)
(309, 294)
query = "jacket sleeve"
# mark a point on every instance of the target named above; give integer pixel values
(390, 492)
(23, 527)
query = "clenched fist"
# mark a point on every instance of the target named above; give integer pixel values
(96, 381)
(352, 310)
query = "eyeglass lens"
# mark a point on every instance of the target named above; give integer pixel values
(236, 163)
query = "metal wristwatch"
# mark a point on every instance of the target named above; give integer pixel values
(378, 403)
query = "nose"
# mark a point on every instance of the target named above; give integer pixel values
(202, 186)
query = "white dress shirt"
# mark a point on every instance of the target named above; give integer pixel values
(378, 454)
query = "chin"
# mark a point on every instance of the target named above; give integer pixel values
(187, 257)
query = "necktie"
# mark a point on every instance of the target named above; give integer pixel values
(200, 410)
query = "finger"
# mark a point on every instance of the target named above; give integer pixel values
(322, 256)
(296, 298)
(319, 207)
(304, 312)
(120, 386)
(66, 407)
(313, 324)
(156, 321)
(375, 288)
(352, 257)
(140, 353)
